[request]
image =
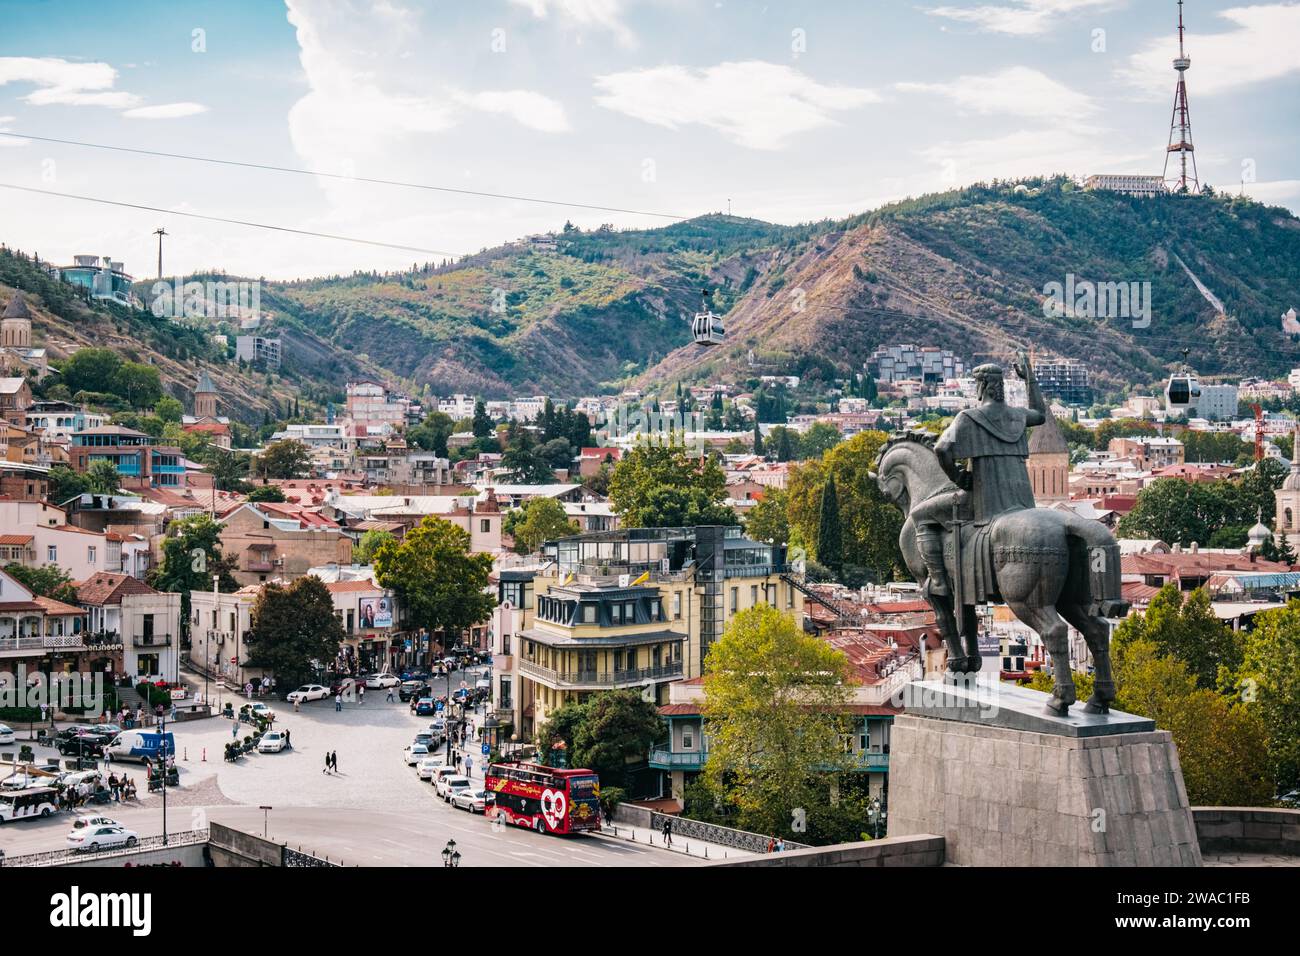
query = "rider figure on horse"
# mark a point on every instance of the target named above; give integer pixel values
(993, 436)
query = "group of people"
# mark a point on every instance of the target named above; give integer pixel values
(121, 788)
(263, 687)
(331, 761)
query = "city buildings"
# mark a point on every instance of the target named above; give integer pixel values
(140, 461)
(146, 623)
(896, 363)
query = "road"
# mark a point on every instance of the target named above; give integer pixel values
(375, 811)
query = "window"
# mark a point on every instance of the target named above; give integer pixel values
(629, 612)
(616, 614)
(51, 553)
(589, 613)
(688, 738)
(735, 599)
(753, 595)
(90, 554)
(789, 595)
(485, 525)
(677, 605)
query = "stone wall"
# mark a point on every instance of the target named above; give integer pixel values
(236, 848)
(919, 850)
(1248, 830)
(1005, 797)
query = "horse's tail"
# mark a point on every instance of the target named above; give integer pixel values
(1095, 574)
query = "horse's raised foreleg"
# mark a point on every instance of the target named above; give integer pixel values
(1096, 631)
(1055, 636)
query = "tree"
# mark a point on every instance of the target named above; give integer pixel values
(768, 520)
(139, 384)
(363, 552)
(830, 550)
(49, 581)
(66, 484)
(610, 733)
(91, 370)
(1185, 628)
(869, 524)
(102, 477)
(228, 468)
(541, 519)
(169, 409)
(440, 583)
(271, 493)
(1176, 511)
(191, 555)
(1268, 681)
(774, 702)
(432, 433)
(482, 425)
(292, 627)
(659, 485)
(758, 438)
(284, 459)
(525, 464)
(820, 438)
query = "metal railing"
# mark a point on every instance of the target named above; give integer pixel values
(600, 678)
(152, 640)
(55, 857)
(663, 759)
(685, 827)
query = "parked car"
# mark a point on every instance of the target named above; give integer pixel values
(6, 734)
(272, 742)
(84, 745)
(418, 674)
(262, 710)
(308, 692)
(424, 707)
(142, 744)
(380, 681)
(23, 779)
(429, 766)
(101, 837)
(475, 801)
(448, 787)
(413, 689)
(415, 753)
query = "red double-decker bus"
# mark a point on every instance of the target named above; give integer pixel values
(545, 799)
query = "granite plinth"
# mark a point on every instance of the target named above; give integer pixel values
(1015, 708)
(1006, 797)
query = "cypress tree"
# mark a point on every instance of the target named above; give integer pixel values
(758, 439)
(830, 545)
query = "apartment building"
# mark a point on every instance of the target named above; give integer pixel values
(274, 540)
(147, 623)
(140, 462)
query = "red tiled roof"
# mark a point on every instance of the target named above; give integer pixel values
(679, 710)
(344, 587)
(57, 608)
(12, 539)
(1135, 592)
(109, 587)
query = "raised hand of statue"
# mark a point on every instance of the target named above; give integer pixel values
(1021, 365)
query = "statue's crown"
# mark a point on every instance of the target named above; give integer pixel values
(988, 372)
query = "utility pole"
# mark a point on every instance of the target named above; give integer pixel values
(160, 232)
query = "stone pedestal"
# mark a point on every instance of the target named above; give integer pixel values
(1066, 794)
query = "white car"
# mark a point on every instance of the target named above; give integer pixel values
(262, 710)
(449, 786)
(415, 753)
(308, 692)
(475, 801)
(429, 767)
(22, 780)
(6, 734)
(272, 743)
(380, 681)
(81, 822)
(99, 837)
(439, 726)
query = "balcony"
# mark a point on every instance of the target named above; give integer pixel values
(145, 641)
(259, 566)
(662, 759)
(874, 760)
(599, 680)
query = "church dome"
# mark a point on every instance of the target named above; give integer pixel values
(1257, 535)
(1292, 481)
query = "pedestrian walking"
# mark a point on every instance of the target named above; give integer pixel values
(469, 766)
(297, 705)
(780, 844)
(668, 831)
(334, 760)
(390, 695)
(287, 741)
(327, 762)
(234, 730)
(361, 693)
(338, 703)
(771, 844)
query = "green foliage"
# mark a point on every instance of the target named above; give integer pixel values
(820, 438)
(291, 627)
(48, 580)
(1268, 681)
(169, 409)
(272, 493)
(191, 555)
(541, 519)
(769, 519)
(363, 552)
(66, 484)
(284, 459)
(1184, 627)
(830, 546)
(1180, 511)
(440, 584)
(774, 700)
(102, 477)
(432, 433)
(610, 733)
(660, 485)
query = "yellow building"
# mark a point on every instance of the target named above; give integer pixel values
(635, 608)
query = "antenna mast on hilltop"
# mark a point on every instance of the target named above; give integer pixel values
(1180, 126)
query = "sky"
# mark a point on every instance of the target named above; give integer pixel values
(787, 112)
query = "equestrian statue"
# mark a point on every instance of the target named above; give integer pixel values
(972, 535)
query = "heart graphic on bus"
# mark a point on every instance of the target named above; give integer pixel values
(553, 807)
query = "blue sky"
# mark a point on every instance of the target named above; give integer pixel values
(792, 111)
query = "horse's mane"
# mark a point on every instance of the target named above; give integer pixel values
(914, 436)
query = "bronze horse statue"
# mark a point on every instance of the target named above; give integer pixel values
(1050, 567)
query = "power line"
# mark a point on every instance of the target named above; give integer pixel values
(358, 179)
(233, 222)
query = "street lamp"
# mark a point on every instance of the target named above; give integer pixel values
(162, 740)
(266, 814)
(450, 855)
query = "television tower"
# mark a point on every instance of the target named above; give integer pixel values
(1180, 126)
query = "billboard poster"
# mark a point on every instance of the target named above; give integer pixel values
(376, 612)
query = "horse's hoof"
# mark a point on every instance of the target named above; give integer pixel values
(974, 663)
(1058, 708)
(1095, 706)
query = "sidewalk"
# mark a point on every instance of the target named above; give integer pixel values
(685, 845)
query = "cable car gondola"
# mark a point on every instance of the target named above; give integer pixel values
(707, 327)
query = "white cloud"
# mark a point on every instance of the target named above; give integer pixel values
(605, 14)
(1018, 91)
(523, 106)
(1077, 150)
(1281, 192)
(759, 105)
(1259, 49)
(166, 111)
(1024, 18)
